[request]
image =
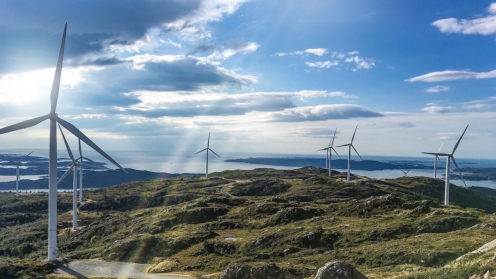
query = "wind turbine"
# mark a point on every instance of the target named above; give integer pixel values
(18, 177)
(74, 182)
(449, 156)
(350, 145)
(405, 172)
(52, 158)
(329, 150)
(436, 158)
(207, 149)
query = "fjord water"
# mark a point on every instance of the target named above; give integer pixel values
(157, 161)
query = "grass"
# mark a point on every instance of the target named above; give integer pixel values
(299, 219)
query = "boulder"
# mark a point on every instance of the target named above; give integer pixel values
(338, 270)
(268, 271)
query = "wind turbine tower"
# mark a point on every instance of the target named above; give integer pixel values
(436, 158)
(207, 149)
(18, 176)
(329, 150)
(448, 160)
(350, 145)
(52, 158)
(74, 182)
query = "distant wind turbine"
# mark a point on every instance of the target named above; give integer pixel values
(436, 158)
(405, 172)
(52, 158)
(207, 149)
(350, 145)
(329, 150)
(449, 156)
(81, 164)
(18, 176)
(74, 182)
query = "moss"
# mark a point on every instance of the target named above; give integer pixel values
(306, 220)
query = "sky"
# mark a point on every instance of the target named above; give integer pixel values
(260, 76)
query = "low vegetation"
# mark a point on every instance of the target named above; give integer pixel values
(298, 219)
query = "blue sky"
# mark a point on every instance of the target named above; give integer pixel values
(261, 76)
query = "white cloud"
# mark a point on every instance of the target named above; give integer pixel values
(480, 26)
(492, 8)
(321, 65)
(338, 55)
(484, 104)
(226, 53)
(172, 43)
(360, 62)
(452, 75)
(437, 89)
(437, 109)
(353, 52)
(316, 51)
(321, 113)
(194, 26)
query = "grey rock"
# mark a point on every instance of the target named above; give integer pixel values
(338, 270)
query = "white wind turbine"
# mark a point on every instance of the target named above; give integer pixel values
(449, 156)
(436, 158)
(52, 158)
(350, 145)
(207, 149)
(18, 176)
(81, 164)
(74, 182)
(329, 150)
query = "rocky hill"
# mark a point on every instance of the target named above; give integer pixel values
(297, 220)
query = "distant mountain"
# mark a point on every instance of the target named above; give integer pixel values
(93, 179)
(369, 165)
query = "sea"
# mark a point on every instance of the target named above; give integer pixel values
(157, 161)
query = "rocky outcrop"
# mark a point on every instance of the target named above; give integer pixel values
(268, 271)
(486, 275)
(291, 214)
(338, 270)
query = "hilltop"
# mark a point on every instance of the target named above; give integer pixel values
(297, 219)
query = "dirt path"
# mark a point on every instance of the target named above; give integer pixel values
(223, 189)
(84, 269)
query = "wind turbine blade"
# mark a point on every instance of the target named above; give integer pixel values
(343, 145)
(80, 151)
(75, 131)
(437, 157)
(440, 147)
(333, 137)
(456, 145)
(357, 152)
(67, 146)
(408, 171)
(354, 134)
(65, 174)
(332, 148)
(327, 148)
(214, 152)
(92, 166)
(58, 72)
(403, 171)
(436, 154)
(24, 124)
(208, 142)
(88, 159)
(24, 157)
(459, 171)
(200, 151)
